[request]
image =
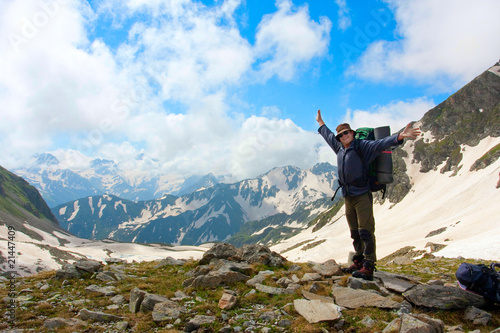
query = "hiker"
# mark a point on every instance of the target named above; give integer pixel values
(353, 179)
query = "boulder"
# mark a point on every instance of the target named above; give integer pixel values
(167, 311)
(136, 298)
(89, 266)
(328, 269)
(315, 310)
(150, 300)
(442, 297)
(227, 301)
(353, 299)
(68, 271)
(220, 251)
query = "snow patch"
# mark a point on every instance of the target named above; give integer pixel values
(76, 208)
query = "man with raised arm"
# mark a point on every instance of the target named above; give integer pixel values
(353, 179)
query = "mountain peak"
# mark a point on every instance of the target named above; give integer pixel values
(46, 159)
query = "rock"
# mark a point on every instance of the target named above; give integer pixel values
(259, 278)
(309, 277)
(114, 261)
(268, 316)
(284, 323)
(260, 254)
(206, 281)
(118, 299)
(240, 267)
(169, 261)
(136, 298)
(197, 321)
(106, 276)
(89, 266)
(294, 268)
(442, 297)
(272, 290)
(220, 251)
(367, 321)
(316, 286)
(356, 283)
(150, 300)
(414, 323)
(68, 271)
(227, 301)
(312, 296)
(284, 282)
(98, 316)
(477, 316)
(122, 325)
(328, 269)
(353, 299)
(60, 322)
(180, 295)
(106, 291)
(395, 282)
(315, 310)
(435, 247)
(167, 311)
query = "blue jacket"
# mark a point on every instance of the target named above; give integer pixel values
(350, 166)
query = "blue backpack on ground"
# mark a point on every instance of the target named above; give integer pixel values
(480, 279)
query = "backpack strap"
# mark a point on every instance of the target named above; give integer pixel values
(338, 188)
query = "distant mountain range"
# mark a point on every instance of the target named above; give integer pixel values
(207, 215)
(59, 184)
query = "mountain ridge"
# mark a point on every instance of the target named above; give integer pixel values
(206, 215)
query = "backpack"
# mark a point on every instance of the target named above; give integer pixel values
(480, 279)
(380, 170)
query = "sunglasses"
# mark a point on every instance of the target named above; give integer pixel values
(342, 134)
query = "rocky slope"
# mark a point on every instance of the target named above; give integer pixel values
(250, 289)
(21, 206)
(464, 119)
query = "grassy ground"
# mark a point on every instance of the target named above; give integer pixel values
(59, 300)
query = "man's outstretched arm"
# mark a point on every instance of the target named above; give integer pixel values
(319, 119)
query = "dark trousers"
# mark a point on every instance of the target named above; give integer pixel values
(359, 214)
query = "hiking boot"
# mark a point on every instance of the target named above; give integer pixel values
(366, 272)
(357, 264)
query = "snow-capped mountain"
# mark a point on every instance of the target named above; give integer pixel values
(207, 215)
(59, 183)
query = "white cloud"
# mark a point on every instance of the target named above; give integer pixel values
(289, 39)
(439, 42)
(263, 144)
(162, 92)
(396, 114)
(344, 21)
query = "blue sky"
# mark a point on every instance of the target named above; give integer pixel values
(230, 87)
